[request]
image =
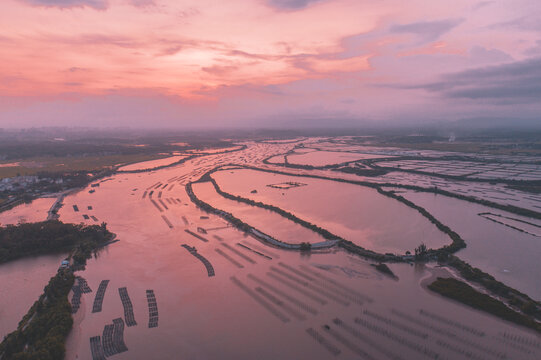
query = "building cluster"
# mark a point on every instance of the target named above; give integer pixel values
(25, 182)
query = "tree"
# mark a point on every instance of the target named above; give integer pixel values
(420, 252)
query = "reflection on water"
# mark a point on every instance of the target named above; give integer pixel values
(32, 212)
(356, 213)
(509, 255)
(267, 221)
(21, 283)
(257, 310)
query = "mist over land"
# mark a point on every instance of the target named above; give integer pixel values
(262, 63)
(263, 179)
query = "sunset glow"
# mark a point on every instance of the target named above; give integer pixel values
(209, 60)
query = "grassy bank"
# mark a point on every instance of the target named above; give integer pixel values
(42, 332)
(512, 296)
(462, 292)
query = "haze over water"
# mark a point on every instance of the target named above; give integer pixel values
(263, 300)
(270, 179)
(269, 63)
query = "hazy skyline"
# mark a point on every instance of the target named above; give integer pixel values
(266, 62)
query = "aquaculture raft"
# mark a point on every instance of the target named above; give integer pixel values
(118, 335)
(128, 307)
(79, 289)
(113, 338)
(196, 235)
(98, 300)
(96, 349)
(208, 265)
(152, 309)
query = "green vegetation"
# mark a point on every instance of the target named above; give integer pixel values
(64, 159)
(467, 295)
(369, 254)
(533, 187)
(514, 297)
(506, 142)
(306, 246)
(42, 332)
(362, 172)
(51, 237)
(71, 164)
(421, 252)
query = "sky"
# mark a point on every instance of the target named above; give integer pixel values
(267, 63)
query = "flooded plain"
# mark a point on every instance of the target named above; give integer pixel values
(356, 213)
(221, 293)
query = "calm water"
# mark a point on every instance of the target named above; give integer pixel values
(35, 211)
(267, 221)
(22, 282)
(509, 255)
(356, 213)
(202, 317)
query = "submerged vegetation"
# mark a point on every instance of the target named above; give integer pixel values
(464, 293)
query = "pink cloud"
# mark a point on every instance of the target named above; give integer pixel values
(200, 53)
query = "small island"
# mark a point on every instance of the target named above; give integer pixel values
(383, 268)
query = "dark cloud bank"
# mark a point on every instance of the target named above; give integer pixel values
(513, 83)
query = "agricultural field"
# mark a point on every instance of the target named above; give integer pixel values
(33, 166)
